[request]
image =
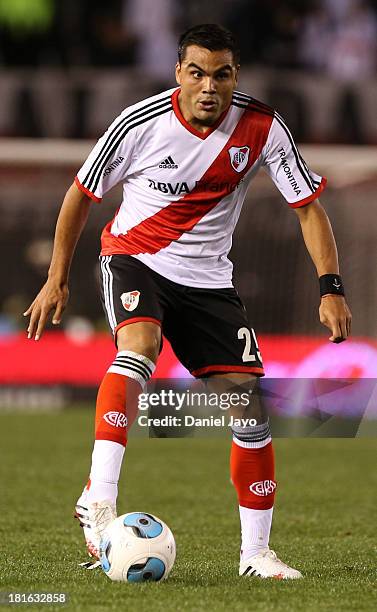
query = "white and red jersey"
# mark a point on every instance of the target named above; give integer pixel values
(183, 190)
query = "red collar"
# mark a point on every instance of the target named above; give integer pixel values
(187, 125)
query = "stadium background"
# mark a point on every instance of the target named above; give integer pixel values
(67, 68)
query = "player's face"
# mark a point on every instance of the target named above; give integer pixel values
(207, 79)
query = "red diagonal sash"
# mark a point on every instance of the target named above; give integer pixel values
(168, 224)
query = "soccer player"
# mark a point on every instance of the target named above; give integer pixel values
(185, 159)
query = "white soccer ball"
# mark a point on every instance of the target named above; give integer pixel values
(137, 547)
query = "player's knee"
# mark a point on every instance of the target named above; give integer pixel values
(143, 338)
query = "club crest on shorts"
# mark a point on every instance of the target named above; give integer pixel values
(130, 300)
(239, 156)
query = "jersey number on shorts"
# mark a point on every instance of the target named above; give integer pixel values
(244, 333)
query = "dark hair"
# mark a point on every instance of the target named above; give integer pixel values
(210, 36)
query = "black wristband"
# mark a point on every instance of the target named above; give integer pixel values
(330, 283)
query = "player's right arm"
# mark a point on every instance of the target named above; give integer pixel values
(54, 293)
(106, 165)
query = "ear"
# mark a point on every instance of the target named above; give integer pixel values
(178, 73)
(237, 72)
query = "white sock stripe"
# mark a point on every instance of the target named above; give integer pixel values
(242, 433)
(133, 362)
(140, 358)
(254, 444)
(132, 368)
(253, 440)
(128, 373)
(249, 438)
(134, 359)
(256, 428)
(252, 434)
(134, 365)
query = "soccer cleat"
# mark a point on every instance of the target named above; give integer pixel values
(266, 565)
(90, 565)
(93, 518)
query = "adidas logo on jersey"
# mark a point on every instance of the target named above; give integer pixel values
(168, 163)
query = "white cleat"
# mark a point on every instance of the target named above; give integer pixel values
(90, 565)
(266, 565)
(94, 518)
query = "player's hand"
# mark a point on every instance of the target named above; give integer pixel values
(335, 314)
(52, 296)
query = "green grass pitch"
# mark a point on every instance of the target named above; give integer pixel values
(323, 523)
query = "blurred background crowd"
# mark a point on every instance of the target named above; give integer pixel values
(69, 67)
(337, 37)
(333, 42)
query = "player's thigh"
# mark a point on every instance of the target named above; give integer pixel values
(131, 305)
(213, 334)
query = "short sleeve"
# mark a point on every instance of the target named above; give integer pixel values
(109, 161)
(283, 162)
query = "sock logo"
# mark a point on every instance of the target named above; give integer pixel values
(263, 487)
(116, 419)
(130, 300)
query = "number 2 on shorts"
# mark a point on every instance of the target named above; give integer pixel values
(244, 333)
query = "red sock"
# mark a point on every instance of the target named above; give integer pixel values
(116, 407)
(252, 472)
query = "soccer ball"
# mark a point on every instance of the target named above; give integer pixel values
(137, 547)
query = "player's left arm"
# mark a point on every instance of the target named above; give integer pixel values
(320, 242)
